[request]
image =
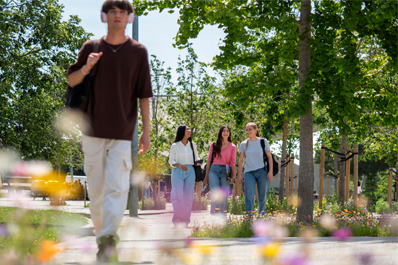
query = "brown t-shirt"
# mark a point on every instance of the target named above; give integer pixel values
(121, 78)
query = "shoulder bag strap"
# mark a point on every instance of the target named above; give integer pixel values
(93, 72)
(193, 153)
(262, 141)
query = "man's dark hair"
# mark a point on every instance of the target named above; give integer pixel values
(121, 4)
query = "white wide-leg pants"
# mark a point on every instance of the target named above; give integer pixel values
(107, 164)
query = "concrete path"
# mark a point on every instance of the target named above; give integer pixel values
(151, 239)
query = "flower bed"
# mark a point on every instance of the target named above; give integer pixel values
(331, 218)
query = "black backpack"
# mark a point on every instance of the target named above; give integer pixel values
(78, 97)
(275, 164)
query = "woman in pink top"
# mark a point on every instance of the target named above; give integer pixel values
(222, 154)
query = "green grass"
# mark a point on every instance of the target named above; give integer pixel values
(28, 228)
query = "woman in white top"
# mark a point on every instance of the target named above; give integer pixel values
(252, 155)
(183, 155)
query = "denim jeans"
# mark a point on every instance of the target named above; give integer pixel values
(218, 180)
(182, 193)
(147, 193)
(258, 176)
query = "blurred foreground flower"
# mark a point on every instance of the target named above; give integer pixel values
(70, 122)
(7, 159)
(218, 195)
(3, 231)
(295, 260)
(269, 229)
(138, 179)
(47, 251)
(365, 259)
(342, 234)
(203, 249)
(270, 250)
(327, 221)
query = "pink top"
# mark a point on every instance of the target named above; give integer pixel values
(228, 156)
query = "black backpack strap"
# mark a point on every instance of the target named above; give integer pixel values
(93, 72)
(262, 141)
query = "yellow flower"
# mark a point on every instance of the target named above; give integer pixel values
(270, 250)
(345, 210)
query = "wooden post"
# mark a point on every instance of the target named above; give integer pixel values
(238, 189)
(158, 191)
(338, 183)
(143, 197)
(347, 175)
(295, 184)
(321, 176)
(287, 177)
(355, 176)
(198, 190)
(327, 185)
(389, 187)
(84, 192)
(291, 175)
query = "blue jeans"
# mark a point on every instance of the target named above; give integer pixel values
(182, 193)
(218, 180)
(258, 176)
(147, 193)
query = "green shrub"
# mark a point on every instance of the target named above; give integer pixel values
(151, 204)
(198, 205)
(382, 206)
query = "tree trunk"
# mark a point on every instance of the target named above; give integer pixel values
(343, 150)
(283, 169)
(306, 172)
(396, 180)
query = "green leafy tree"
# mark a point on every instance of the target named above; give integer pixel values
(36, 48)
(155, 160)
(327, 41)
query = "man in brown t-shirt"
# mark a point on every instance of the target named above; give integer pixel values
(122, 77)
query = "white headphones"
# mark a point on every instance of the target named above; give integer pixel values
(130, 20)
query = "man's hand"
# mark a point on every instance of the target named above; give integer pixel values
(92, 59)
(184, 168)
(144, 143)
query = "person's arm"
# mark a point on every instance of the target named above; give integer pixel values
(77, 77)
(240, 167)
(232, 164)
(270, 175)
(145, 140)
(206, 180)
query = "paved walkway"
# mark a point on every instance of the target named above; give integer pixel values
(147, 239)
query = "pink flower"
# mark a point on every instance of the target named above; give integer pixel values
(342, 234)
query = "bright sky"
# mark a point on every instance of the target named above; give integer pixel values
(156, 32)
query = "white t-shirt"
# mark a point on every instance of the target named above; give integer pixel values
(180, 153)
(359, 190)
(254, 154)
